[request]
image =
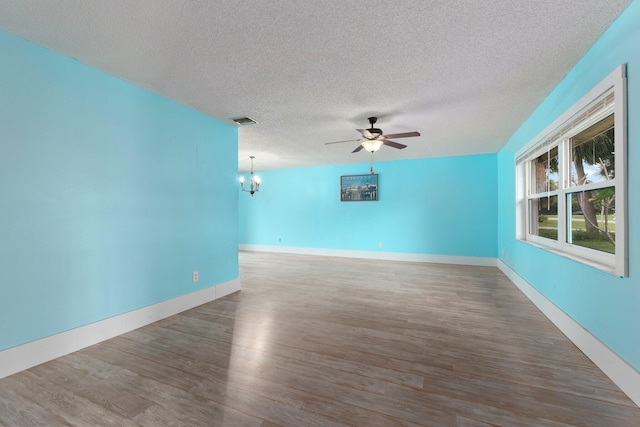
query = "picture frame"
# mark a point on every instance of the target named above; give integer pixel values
(359, 188)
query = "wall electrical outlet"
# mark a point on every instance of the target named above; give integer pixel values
(379, 245)
(195, 277)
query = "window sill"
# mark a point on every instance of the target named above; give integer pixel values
(588, 262)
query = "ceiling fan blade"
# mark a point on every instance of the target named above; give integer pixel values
(403, 135)
(360, 147)
(366, 133)
(394, 144)
(340, 142)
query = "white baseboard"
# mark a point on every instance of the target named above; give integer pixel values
(226, 288)
(620, 372)
(28, 355)
(386, 256)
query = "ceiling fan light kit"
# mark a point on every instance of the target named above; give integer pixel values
(372, 145)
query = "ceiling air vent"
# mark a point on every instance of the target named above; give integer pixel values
(244, 121)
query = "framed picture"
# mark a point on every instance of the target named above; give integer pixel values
(359, 188)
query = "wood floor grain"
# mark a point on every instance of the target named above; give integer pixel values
(320, 341)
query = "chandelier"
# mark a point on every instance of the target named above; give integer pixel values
(254, 185)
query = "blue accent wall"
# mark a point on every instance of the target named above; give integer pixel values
(438, 206)
(110, 196)
(607, 306)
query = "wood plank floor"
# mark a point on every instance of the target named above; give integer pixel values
(318, 341)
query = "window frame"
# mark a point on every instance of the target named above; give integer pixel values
(589, 110)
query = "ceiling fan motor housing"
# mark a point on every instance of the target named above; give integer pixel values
(375, 132)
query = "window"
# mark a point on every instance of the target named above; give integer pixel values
(571, 181)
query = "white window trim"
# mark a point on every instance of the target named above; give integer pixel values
(615, 264)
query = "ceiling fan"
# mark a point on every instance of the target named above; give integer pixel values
(373, 138)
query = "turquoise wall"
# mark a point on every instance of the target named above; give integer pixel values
(439, 206)
(607, 306)
(110, 196)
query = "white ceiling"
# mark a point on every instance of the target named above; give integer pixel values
(465, 73)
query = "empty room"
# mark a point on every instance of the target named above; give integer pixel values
(333, 213)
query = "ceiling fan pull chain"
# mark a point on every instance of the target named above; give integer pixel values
(371, 168)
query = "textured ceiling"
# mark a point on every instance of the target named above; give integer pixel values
(465, 74)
